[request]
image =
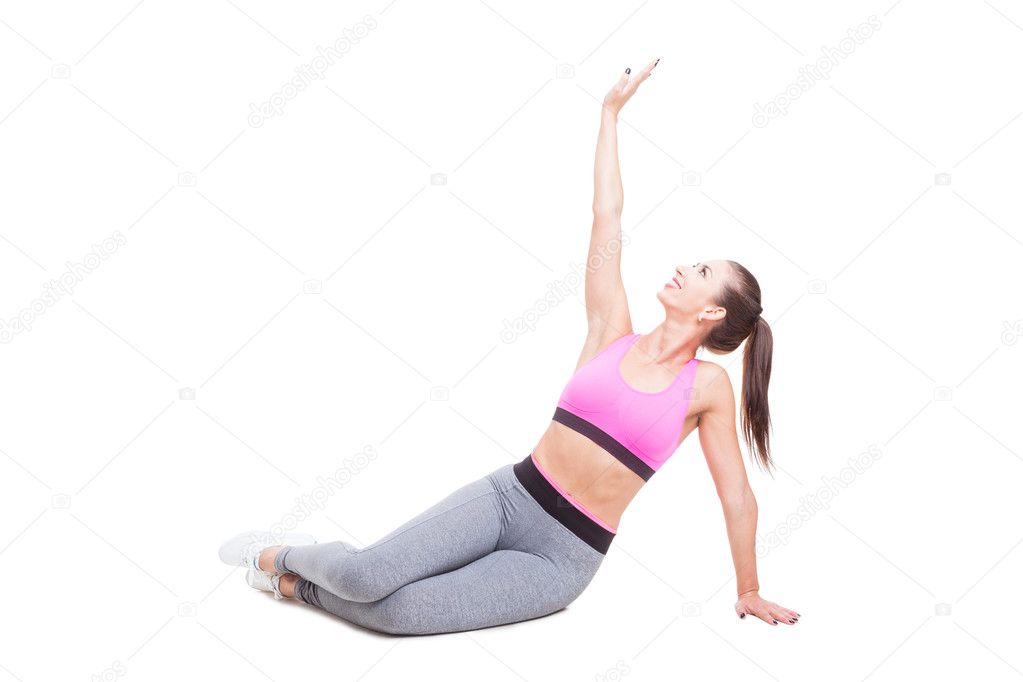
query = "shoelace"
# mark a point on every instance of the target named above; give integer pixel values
(275, 585)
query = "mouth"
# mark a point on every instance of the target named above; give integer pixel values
(675, 283)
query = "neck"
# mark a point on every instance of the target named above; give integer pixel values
(671, 343)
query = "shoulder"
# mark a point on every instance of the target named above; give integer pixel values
(710, 372)
(712, 387)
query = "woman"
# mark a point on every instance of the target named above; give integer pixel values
(526, 539)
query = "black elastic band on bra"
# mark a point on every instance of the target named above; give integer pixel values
(604, 440)
(585, 528)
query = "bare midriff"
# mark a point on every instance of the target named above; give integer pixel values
(592, 476)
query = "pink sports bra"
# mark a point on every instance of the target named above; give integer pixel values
(640, 429)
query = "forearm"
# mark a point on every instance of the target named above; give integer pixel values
(608, 196)
(741, 522)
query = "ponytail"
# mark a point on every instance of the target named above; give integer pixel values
(755, 416)
(740, 297)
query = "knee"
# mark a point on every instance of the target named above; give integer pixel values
(412, 612)
(397, 619)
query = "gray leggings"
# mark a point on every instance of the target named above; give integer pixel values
(487, 554)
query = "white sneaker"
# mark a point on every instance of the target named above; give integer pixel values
(244, 549)
(267, 582)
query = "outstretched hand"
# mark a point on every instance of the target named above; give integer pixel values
(621, 91)
(767, 611)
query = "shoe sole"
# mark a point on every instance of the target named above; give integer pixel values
(258, 582)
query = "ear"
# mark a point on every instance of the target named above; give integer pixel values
(714, 313)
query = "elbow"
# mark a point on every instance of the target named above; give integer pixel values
(607, 211)
(740, 500)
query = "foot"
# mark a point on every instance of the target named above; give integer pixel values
(287, 584)
(244, 549)
(282, 586)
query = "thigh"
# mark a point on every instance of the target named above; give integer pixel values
(452, 515)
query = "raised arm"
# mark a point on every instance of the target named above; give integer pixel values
(607, 309)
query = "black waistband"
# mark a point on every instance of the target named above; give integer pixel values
(585, 528)
(604, 440)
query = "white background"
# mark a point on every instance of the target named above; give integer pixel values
(894, 300)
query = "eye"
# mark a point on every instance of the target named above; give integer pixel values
(703, 271)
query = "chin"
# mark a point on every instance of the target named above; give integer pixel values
(669, 307)
(661, 295)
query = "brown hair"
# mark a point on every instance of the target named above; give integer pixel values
(740, 297)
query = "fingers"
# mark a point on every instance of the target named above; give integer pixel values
(770, 613)
(645, 73)
(782, 615)
(774, 616)
(641, 76)
(785, 615)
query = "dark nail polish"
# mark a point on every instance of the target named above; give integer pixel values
(628, 70)
(792, 621)
(775, 622)
(742, 615)
(658, 60)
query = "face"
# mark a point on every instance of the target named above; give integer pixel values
(692, 289)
